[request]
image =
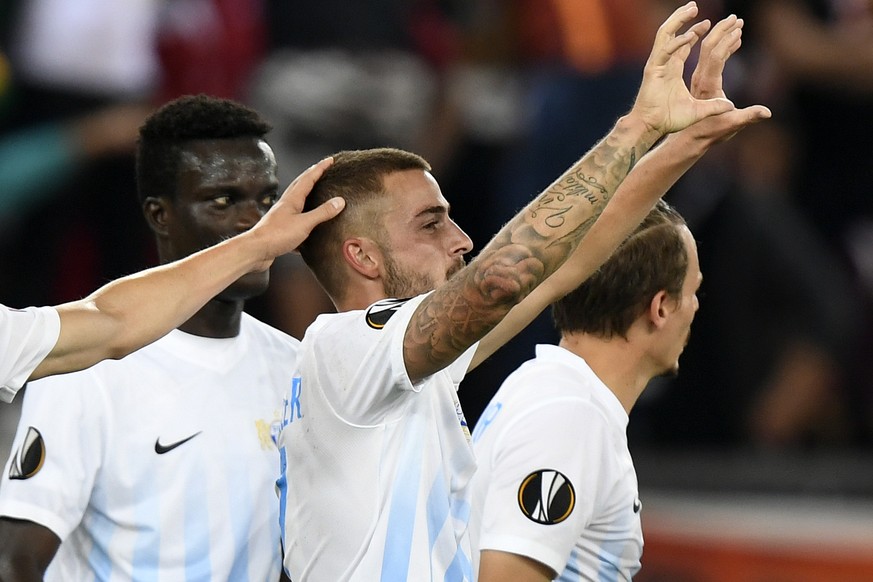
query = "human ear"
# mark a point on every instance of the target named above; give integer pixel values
(364, 256)
(659, 309)
(156, 211)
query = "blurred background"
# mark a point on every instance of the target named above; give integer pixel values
(755, 462)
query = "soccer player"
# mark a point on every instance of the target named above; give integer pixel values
(133, 311)
(374, 444)
(162, 465)
(555, 493)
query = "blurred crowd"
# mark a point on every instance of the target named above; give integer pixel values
(500, 96)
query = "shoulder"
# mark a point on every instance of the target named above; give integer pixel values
(377, 320)
(543, 396)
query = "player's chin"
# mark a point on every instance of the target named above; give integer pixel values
(248, 286)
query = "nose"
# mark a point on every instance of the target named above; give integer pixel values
(249, 213)
(462, 244)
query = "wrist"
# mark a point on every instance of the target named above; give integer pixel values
(688, 144)
(252, 250)
(634, 127)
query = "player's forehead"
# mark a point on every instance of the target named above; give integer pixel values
(693, 275)
(220, 162)
(411, 194)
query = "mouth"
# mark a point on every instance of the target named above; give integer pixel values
(457, 267)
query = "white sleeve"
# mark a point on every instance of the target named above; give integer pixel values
(360, 361)
(57, 452)
(542, 480)
(26, 338)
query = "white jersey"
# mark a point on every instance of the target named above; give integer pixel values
(159, 466)
(375, 468)
(556, 482)
(26, 337)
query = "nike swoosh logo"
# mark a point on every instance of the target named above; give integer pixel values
(161, 449)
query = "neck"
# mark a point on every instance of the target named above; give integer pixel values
(616, 361)
(360, 296)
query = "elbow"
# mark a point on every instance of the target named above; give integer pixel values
(121, 347)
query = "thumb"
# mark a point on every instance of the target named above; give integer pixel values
(758, 112)
(715, 106)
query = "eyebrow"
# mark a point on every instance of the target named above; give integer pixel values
(436, 209)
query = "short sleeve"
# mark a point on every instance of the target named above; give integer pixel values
(358, 360)
(542, 481)
(57, 452)
(26, 338)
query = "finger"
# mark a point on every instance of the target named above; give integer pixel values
(666, 35)
(680, 17)
(714, 106)
(323, 212)
(299, 189)
(757, 112)
(721, 29)
(313, 172)
(682, 44)
(708, 72)
(739, 118)
(716, 49)
(743, 118)
(727, 45)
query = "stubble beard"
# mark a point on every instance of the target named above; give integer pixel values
(403, 283)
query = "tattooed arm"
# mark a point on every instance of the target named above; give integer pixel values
(540, 238)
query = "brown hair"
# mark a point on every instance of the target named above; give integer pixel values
(653, 258)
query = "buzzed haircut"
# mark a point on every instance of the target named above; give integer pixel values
(358, 176)
(653, 258)
(166, 132)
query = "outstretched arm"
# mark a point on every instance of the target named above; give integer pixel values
(649, 180)
(541, 237)
(134, 311)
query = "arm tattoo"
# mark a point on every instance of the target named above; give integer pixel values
(523, 254)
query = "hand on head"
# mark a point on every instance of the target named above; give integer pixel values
(285, 226)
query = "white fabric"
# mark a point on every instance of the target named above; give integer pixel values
(554, 415)
(205, 510)
(375, 468)
(26, 338)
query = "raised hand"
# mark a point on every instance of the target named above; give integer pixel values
(706, 83)
(664, 103)
(722, 41)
